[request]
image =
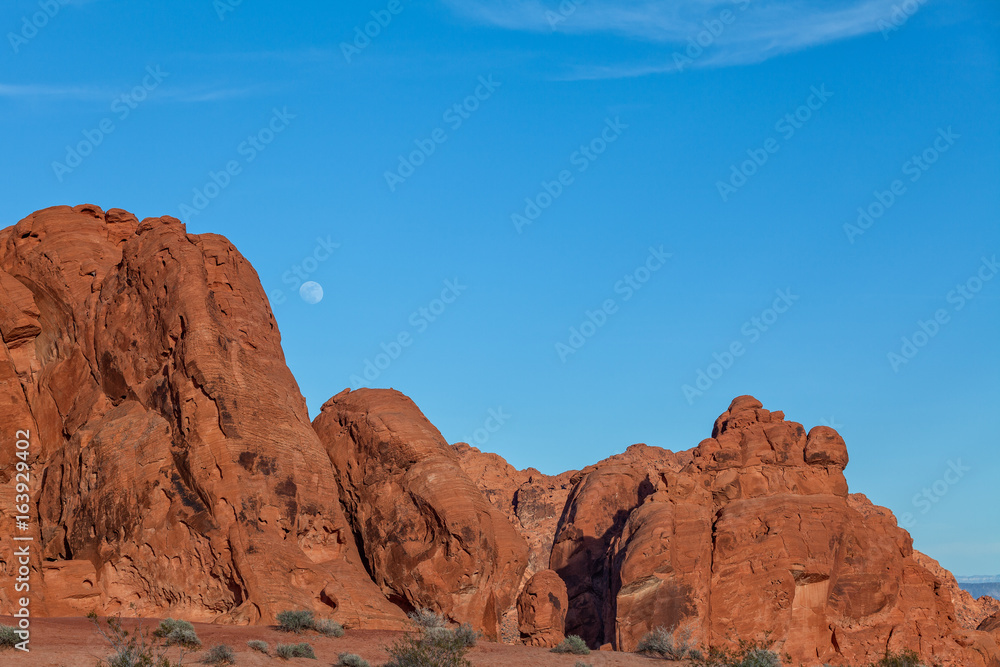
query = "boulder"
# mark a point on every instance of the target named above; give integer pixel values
(428, 535)
(541, 610)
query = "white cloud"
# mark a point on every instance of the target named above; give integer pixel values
(760, 29)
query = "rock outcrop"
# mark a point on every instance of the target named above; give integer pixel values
(429, 536)
(173, 463)
(173, 466)
(541, 610)
(752, 532)
(969, 611)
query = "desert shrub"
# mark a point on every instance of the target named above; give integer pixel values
(425, 618)
(435, 647)
(295, 621)
(351, 660)
(168, 625)
(905, 658)
(301, 650)
(572, 644)
(220, 654)
(660, 642)
(583, 664)
(466, 635)
(749, 654)
(183, 637)
(8, 638)
(133, 648)
(328, 628)
(258, 645)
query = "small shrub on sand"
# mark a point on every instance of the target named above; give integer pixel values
(8, 637)
(301, 650)
(572, 644)
(661, 643)
(295, 621)
(220, 655)
(351, 660)
(328, 628)
(258, 645)
(425, 618)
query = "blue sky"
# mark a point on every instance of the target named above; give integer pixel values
(571, 215)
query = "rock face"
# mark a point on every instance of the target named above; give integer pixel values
(429, 536)
(751, 532)
(174, 466)
(969, 612)
(531, 501)
(541, 610)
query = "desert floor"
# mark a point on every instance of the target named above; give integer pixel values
(74, 642)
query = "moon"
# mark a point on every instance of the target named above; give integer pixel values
(311, 292)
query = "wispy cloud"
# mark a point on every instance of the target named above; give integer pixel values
(760, 29)
(34, 92)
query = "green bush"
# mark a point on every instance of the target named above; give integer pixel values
(905, 658)
(7, 637)
(583, 664)
(295, 621)
(572, 644)
(425, 618)
(220, 655)
(134, 648)
(667, 645)
(749, 654)
(351, 660)
(183, 637)
(435, 647)
(302, 650)
(168, 625)
(328, 628)
(466, 635)
(258, 645)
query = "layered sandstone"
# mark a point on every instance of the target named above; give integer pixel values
(429, 536)
(541, 610)
(174, 465)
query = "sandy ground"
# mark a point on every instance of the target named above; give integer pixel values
(73, 642)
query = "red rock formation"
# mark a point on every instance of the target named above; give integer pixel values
(751, 532)
(991, 624)
(430, 537)
(541, 610)
(174, 463)
(969, 612)
(531, 501)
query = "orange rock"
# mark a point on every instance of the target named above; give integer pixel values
(541, 609)
(429, 536)
(175, 467)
